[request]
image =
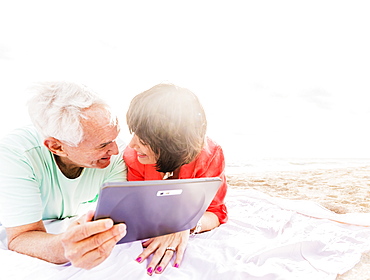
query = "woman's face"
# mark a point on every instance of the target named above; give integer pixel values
(145, 155)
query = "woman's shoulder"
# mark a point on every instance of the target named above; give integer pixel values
(209, 163)
(211, 146)
(211, 151)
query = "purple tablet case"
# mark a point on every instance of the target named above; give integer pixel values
(154, 208)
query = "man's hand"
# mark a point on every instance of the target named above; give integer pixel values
(85, 243)
(88, 243)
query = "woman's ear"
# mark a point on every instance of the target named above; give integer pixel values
(54, 146)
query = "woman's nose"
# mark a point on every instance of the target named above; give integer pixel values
(133, 142)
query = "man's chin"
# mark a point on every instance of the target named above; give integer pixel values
(102, 163)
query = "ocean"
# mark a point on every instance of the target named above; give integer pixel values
(261, 165)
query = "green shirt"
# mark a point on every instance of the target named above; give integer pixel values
(32, 188)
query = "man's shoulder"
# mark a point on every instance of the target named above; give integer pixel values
(24, 146)
(23, 138)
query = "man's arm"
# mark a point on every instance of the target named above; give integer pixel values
(85, 243)
(33, 240)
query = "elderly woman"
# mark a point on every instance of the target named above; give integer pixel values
(169, 142)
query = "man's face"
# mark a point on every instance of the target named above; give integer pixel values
(98, 144)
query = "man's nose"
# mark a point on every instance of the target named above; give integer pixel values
(113, 148)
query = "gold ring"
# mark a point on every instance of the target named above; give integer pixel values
(171, 249)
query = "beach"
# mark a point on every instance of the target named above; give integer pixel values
(341, 190)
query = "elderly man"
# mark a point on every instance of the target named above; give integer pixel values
(51, 169)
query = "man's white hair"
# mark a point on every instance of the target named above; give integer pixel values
(56, 109)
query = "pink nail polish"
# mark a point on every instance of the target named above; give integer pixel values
(138, 259)
(150, 270)
(159, 269)
(176, 265)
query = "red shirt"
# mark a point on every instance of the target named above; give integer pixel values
(210, 163)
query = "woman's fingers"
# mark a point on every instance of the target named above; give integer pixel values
(168, 255)
(180, 254)
(163, 249)
(157, 257)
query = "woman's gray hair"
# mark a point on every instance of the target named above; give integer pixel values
(56, 109)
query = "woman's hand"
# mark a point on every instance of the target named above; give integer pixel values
(161, 248)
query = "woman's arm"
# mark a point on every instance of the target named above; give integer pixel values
(208, 222)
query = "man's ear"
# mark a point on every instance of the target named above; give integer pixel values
(55, 146)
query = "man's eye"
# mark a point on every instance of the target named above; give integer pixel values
(102, 146)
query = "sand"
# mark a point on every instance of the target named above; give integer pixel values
(344, 190)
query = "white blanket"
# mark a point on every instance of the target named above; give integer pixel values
(265, 238)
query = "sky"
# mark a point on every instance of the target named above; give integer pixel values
(276, 78)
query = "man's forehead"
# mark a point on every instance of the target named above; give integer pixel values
(100, 135)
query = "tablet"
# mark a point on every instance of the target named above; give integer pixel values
(154, 208)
